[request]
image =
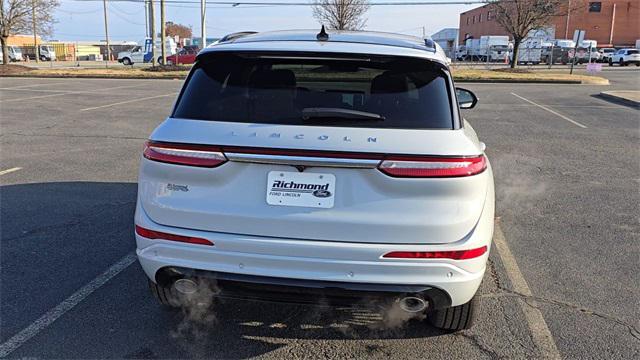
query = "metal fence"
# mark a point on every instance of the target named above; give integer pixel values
(501, 56)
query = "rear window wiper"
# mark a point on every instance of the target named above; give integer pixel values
(338, 113)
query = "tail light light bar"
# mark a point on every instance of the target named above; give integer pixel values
(427, 167)
(193, 155)
(401, 166)
(453, 255)
(151, 234)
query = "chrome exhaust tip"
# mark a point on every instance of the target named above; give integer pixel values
(413, 304)
(186, 286)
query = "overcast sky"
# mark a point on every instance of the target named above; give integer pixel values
(83, 20)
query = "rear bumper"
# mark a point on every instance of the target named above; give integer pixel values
(311, 265)
(300, 291)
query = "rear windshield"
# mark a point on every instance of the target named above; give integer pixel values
(389, 92)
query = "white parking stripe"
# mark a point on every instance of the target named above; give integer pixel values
(75, 92)
(551, 111)
(127, 102)
(33, 97)
(3, 172)
(540, 333)
(69, 303)
(33, 85)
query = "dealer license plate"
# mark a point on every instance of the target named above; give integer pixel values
(301, 189)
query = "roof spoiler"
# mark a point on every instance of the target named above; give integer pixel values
(236, 35)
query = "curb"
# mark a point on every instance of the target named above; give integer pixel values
(514, 81)
(619, 100)
(181, 77)
(81, 76)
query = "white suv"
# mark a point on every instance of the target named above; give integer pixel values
(332, 168)
(625, 57)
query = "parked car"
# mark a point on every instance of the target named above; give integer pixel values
(183, 56)
(333, 167)
(606, 54)
(624, 57)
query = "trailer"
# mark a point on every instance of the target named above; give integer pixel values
(530, 51)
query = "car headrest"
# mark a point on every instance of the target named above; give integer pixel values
(388, 82)
(273, 79)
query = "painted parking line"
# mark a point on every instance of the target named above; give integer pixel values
(75, 91)
(540, 333)
(127, 102)
(8, 171)
(33, 97)
(32, 85)
(550, 110)
(69, 303)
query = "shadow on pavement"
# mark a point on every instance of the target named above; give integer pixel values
(56, 237)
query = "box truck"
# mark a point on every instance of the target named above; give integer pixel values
(488, 48)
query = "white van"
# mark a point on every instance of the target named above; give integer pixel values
(15, 53)
(143, 54)
(47, 53)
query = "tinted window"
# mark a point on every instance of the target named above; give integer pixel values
(405, 93)
(632, 52)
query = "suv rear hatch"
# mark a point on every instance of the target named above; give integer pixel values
(360, 150)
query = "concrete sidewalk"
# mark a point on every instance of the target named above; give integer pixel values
(626, 97)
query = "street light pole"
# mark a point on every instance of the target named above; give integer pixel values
(163, 33)
(106, 32)
(203, 22)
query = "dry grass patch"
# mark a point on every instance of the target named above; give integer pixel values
(113, 73)
(524, 76)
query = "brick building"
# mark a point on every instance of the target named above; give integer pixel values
(609, 22)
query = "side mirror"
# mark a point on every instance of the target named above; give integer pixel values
(466, 98)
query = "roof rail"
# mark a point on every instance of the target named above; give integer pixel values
(236, 35)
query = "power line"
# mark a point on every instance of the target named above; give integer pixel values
(240, 3)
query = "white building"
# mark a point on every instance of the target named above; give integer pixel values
(448, 40)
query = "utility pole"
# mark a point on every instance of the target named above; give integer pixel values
(106, 32)
(203, 22)
(146, 19)
(152, 19)
(36, 49)
(163, 34)
(566, 29)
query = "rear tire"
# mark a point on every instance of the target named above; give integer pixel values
(165, 296)
(126, 61)
(455, 318)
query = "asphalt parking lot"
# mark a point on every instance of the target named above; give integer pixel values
(562, 279)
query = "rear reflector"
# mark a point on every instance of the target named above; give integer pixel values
(193, 155)
(150, 234)
(423, 167)
(454, 255)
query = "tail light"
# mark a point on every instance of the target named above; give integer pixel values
(193, 155)
(401, 166)
(421, 167)
(454, 255)
(151, 234)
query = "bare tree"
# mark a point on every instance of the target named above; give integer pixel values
(17, 16)
(341, 14)
(519, 17)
